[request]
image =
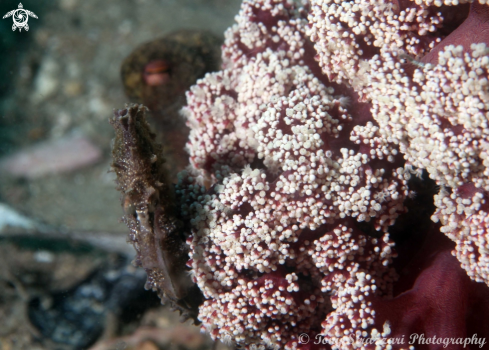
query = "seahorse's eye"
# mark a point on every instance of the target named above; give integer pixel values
(156, 73)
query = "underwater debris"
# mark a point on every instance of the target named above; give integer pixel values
(158, 73)
(73, 317)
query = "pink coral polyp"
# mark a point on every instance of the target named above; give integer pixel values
(299, 167)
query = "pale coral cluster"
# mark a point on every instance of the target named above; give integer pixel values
(352, 269)
(350, 36)
(286, 162)
(437, 114)
(452, 146)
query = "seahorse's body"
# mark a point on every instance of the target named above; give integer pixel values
(147, 198)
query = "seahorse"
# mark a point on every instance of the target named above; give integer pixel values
(148, 202)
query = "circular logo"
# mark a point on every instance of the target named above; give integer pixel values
(20, 17)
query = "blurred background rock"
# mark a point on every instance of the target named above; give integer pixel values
(60, 233)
